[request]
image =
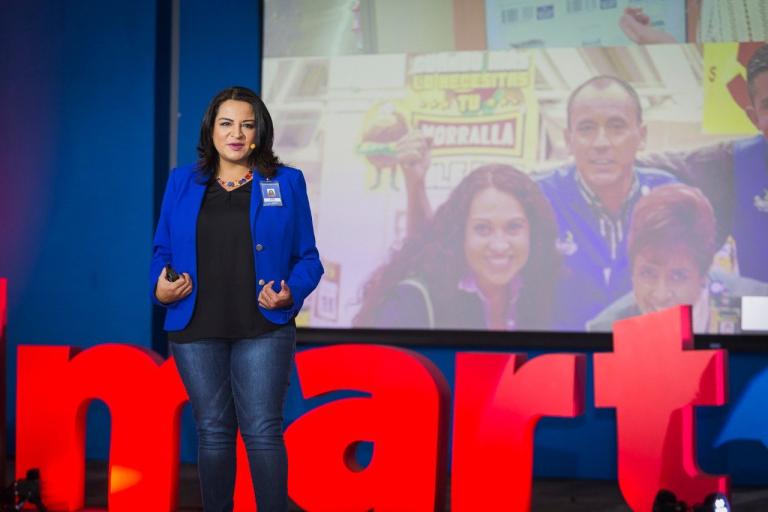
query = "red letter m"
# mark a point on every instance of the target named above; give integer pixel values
(144, 396)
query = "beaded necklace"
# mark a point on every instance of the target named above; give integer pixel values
(232, 184)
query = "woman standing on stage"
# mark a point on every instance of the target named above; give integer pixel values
(236, 229)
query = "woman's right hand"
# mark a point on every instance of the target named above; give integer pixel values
(414, 152)
(168, 292)
(637, 27)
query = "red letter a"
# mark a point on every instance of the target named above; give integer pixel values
(404, 417)
(654, 383)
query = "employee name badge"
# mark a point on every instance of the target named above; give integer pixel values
(270, 193)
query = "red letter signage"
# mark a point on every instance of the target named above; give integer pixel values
(404, 416)
(400, 405)
(3, 322)
(145, 397)
(654, 381)
(499, 398)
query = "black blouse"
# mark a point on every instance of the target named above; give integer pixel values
(226, 305)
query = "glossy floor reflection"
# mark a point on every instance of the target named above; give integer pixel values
(549, 495)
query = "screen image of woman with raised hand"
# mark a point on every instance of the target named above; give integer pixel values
(671, 245)
(485, 260)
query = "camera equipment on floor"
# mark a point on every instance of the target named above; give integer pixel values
(22, 492)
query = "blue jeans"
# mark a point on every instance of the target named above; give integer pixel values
(239, 383)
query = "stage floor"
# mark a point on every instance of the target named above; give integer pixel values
(549, 495)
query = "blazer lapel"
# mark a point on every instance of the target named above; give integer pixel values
(255, 199)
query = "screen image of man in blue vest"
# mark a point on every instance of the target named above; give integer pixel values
(593, 196)
(734, 177)
(750, 177)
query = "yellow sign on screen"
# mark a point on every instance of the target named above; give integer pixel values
(722, 115)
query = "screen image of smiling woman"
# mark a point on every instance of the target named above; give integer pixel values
(487, 260)
(671, 245)
(497, 242)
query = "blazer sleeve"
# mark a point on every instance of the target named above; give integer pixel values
(708, 168)
(306, 268)
(161, 245)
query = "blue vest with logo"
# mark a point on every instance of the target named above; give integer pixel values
(592, 278)
(750, 215)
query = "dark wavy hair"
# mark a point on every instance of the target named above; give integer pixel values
(672, 215)
(757, 65)
(436, 254)
(261, 158)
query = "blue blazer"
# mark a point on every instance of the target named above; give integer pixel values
(282, 237)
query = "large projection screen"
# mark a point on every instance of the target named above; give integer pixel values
(522, 165)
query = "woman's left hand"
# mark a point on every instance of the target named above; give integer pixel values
(269, 299)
